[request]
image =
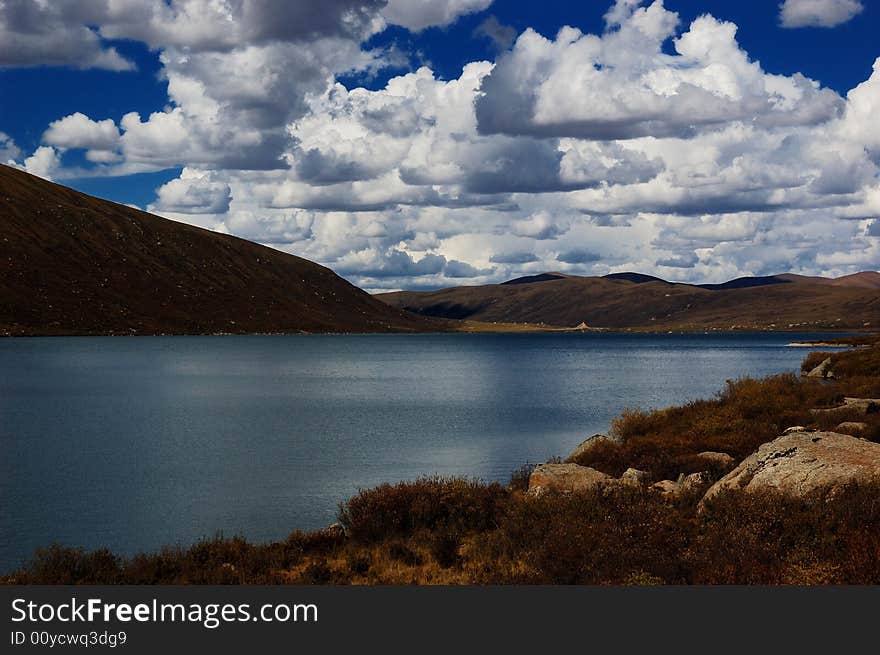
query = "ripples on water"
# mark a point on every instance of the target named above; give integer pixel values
(132, 443)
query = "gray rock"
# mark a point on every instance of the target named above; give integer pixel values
(857, 405)
(721, 459)
(566, 478)
(635, 477)
(854, 426)
(694, 482)
(801, 463)
(588, 444)
(823, 370)
(666, 487)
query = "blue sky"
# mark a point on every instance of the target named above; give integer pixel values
(290, 162)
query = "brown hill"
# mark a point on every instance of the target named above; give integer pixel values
(783, 303)
(73, 264)
(865, 280)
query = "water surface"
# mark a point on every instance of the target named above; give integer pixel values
(132, 443)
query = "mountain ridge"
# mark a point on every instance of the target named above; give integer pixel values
(74, 264)
(638, 301)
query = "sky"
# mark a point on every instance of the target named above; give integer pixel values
(418, 144)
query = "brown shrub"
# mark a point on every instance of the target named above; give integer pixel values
(428, 503)
(519, 479)
(740, 418)
(588, 538)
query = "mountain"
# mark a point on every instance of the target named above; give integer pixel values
(73, 264)
(864, 280)
(638, 278)
(746, 282)
(543, 277)
(784, 302)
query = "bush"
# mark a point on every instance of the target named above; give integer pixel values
(400, 552)
(740, 418)
(444, 548)
(427, 503)
(519, 479)
(589, 538)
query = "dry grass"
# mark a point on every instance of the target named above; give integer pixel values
(627, 536)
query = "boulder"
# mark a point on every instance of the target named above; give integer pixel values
(635, 477)
(694, 482)
(723, 460)
(863, 405)
(566, 478)
(588, 444)
(823, 370)
(852, 426)
(857, 405)
(801, 463)
(666, 487)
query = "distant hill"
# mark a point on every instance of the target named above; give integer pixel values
(864, 280)
(73, 264)
(637, 278)
(543, 277)
(746, 283)
(633, 300)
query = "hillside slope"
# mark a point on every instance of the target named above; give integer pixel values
(625, 302)
(73, 264)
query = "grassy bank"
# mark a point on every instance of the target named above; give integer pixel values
(453, 531)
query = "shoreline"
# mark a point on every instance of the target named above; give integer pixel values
(664, 462)
(496, 329)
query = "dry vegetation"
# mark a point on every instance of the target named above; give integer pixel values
(453, 531)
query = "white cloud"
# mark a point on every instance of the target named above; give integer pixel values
(859, 123)
(818, 13)
(8, 149)
(212, 25)
(652, 146)
(193, 193)
(44, 163)
(54, 34)
(79, 131)
(416, 15)
(635, 88)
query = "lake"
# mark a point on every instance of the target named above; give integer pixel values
(132, 443)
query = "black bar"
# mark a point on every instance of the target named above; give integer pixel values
(466, 619)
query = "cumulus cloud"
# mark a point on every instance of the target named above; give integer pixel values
(8, 150)
(54, 34)
(416, 15)
(514, 258)
(79, 131)
(44, 163)
(687, 260)
(579, 256)
(539, 226)
(396, 263)
(208, 25)
(635, 88)
(818, 13)
(193, 193)
(651, 146)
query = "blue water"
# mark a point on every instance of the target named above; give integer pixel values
(133, 443)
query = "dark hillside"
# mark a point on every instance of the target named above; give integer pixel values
(73, 264)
